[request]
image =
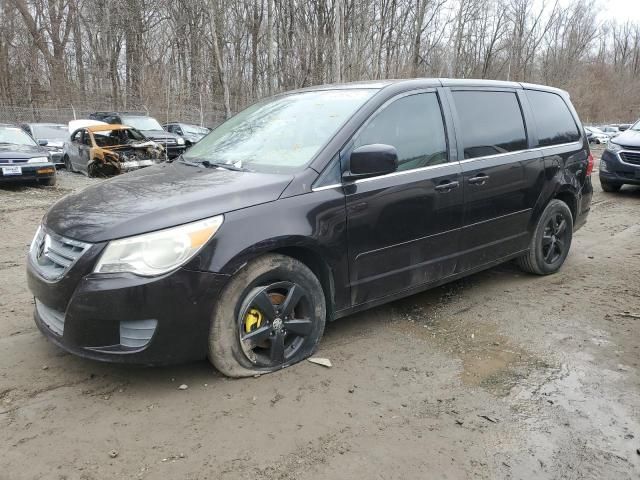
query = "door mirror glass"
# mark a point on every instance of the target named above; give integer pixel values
(372, 160)
(42, 142)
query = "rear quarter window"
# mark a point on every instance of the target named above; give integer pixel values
(554, 122)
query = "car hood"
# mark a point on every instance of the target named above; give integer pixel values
(628, 138)
(158, 197)
(159, 134)
(192, 137)
(20, 151)
(55, 144)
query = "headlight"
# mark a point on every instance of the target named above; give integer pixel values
(38, 160)
(180, 141)
(613, 147)
(158, 252)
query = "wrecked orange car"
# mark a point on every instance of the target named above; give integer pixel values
(103, 150)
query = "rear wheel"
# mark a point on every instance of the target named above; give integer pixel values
(271, 315)
(551, 240)
(67, 164)
(610, 187)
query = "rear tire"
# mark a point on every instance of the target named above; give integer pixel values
(67, 164)
(610, 187)
(250, 336)
(551, 240)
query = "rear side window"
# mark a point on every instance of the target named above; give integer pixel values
(414, 126)
(553, 119)
(491, 123)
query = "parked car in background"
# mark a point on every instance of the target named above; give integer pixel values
(55, 134)
(23, 159)
(620, 162)
(597, 136)
(611, 130)
(173, 144)
(107, 150)
(192, 134)
(307, 207)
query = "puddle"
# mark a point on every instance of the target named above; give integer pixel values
(489, 360)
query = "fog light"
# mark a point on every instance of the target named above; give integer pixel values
(45, 170)
(603, 166)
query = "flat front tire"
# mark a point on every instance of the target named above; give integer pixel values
(271, 315)
(551, 240)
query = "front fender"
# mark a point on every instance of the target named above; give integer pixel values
(313, 222)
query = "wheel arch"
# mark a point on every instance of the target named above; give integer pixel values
(302, 249)
(567, 196)
(320, 268)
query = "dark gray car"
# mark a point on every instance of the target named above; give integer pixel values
(620, 163)
(54, 134)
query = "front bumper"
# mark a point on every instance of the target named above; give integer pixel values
(125, 318)
(57, 157)
(28, 172)
(614, 169)
(172, 150)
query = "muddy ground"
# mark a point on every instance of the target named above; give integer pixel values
(500, 375)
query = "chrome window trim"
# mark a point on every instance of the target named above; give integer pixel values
(403, 172)
(429, 167)
(326, 187)
(388, 175)
(527, 150)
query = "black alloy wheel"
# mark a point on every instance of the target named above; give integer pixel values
(274, 322)
(554, 239)
(270, 315)
(551, 240)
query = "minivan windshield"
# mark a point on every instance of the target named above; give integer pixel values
(281, 134)
(635, 126)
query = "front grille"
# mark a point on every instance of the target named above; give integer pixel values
(630, 147)
(630, 157)
(13, 160)
(167, 141)
(51, 318)
(54, 255)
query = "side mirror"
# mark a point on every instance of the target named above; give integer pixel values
(371, 161)
(43, 143)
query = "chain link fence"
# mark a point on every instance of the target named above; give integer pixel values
(185, 114)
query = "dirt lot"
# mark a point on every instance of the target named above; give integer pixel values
(500, 375)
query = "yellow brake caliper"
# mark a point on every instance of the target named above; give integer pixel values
(252, 320)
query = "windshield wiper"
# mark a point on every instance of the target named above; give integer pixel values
(228, 166)
(181, 159)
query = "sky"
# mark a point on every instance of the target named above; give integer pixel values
(620, 10)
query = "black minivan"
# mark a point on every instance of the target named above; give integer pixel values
(306, 207)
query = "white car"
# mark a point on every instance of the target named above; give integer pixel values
(597, 135)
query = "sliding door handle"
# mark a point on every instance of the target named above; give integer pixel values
(478, 179)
